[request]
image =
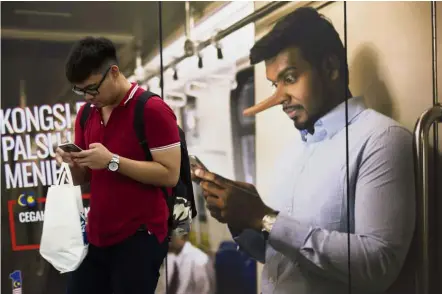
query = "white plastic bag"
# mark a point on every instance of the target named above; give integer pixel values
(63, 242)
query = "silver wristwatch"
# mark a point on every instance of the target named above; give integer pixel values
(114, 163)
(267, 222)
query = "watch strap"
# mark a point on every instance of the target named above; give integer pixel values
(115, 158)
(267, 222)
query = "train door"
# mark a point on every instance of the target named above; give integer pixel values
(427, 142)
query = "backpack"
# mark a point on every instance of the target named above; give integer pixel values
(181, 203)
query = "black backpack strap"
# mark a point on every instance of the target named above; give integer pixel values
(185, 173)
(85, 115)
(139, 126)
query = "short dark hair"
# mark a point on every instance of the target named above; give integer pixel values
(89, 56)
(306, 29)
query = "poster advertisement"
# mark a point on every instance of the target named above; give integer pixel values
(29, 137)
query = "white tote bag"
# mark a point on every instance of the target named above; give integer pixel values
(63, 241)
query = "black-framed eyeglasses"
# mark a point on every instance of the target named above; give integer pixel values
(91, 90)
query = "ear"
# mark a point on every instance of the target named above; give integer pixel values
(331, 67)
(115, 71)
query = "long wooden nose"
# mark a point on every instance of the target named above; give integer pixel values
(271, 101)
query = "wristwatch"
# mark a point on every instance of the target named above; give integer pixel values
(114, 163)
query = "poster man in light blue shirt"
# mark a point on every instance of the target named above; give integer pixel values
(339, 219)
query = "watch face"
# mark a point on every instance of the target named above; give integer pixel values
(113, 166)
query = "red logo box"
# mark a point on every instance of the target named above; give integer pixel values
(12, 226)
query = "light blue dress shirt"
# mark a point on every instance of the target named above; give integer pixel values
(307, 249)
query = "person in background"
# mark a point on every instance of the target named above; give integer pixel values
(127, 222)
(338, 220)
(189, 270)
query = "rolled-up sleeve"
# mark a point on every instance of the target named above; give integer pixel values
(384, 220)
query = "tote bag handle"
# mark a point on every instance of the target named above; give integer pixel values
(65, 172)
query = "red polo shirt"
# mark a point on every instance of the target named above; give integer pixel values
(118, 204)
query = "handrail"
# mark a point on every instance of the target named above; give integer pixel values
(263, 11)
(421, 144)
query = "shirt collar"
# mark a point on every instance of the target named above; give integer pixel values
(334, 121)
(185, 250)
(129, 95)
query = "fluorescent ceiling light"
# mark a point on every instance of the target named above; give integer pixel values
(42, 13)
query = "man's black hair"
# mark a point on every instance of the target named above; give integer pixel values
(89, 56)
(307, 30)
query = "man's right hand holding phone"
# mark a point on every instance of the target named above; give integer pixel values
(236, 203)
(66, 157)
(79, 174)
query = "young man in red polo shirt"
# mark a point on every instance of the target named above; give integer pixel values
(127, 221)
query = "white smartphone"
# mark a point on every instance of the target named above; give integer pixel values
(69, 147)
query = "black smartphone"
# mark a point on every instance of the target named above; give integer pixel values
(196, 163)
(69, 147)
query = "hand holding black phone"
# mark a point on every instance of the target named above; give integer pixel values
(196, 163)
(69, 147)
